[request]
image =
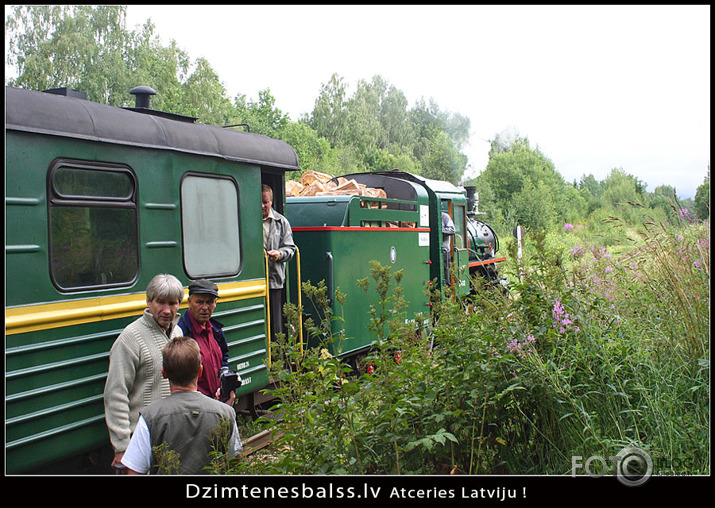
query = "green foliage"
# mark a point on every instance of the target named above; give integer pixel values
(702, 198)
(524, 182)
(204, 97)
(521, 186)
(314, 152)
(442, 161)
(168, 461)
(594, 349)
(263, 116)
(374, 129)
(56, 46)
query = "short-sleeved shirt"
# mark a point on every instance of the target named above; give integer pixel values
(183, 420)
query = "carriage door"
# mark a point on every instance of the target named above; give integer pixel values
(460, 250)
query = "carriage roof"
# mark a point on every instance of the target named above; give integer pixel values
(59, 115)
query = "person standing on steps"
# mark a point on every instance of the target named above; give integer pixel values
(447, 233)
(279, 247)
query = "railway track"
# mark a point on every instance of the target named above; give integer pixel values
(259, 441)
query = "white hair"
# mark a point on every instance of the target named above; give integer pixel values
(165, 285)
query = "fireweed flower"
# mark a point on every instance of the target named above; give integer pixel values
(558, 310)
(561, 317)
(600, 253)
(568, 227)
(515, 346)
(577, 251)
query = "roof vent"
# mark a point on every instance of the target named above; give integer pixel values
(143, 95)
(67, 92)
(143, 98)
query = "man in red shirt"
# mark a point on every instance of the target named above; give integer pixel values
(199, 324)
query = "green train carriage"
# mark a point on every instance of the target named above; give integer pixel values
(341, 235)
(98, 200)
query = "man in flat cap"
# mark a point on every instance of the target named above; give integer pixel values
(199, 324)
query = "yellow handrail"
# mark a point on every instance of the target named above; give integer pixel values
(268, 309)
(268, 304)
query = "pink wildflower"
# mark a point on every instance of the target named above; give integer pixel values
(561, 317)
(516, 346)
(577, 251)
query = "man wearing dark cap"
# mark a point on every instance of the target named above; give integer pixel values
(199, 324)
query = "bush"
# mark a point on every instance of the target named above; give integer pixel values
(595, 348)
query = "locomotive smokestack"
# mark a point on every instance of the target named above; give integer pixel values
(472, 198)
(143, 95)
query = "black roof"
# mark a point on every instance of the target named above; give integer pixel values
(58, 115)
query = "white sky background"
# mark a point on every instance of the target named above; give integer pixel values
(594, 87)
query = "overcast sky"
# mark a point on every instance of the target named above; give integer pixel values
(594, 87)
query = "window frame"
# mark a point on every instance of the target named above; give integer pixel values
(184, 234)
(58, 199)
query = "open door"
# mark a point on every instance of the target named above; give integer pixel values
(460, 251)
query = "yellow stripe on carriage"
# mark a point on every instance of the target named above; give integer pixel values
(31, 318)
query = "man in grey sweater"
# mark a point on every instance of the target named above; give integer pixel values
(134, 379)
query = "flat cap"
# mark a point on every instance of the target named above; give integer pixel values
(203, 286)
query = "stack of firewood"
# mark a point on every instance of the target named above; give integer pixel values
(313, 183)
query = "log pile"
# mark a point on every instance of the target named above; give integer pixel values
(314, 183)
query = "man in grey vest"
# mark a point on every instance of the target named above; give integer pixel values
(185, 420)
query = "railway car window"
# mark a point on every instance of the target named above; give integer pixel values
(93, 225)
(210, 223)
(460, 227)
(73, 182)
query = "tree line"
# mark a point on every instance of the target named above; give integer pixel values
(522, 186)
(90, 48)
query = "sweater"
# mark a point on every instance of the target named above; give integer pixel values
(134, 379)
